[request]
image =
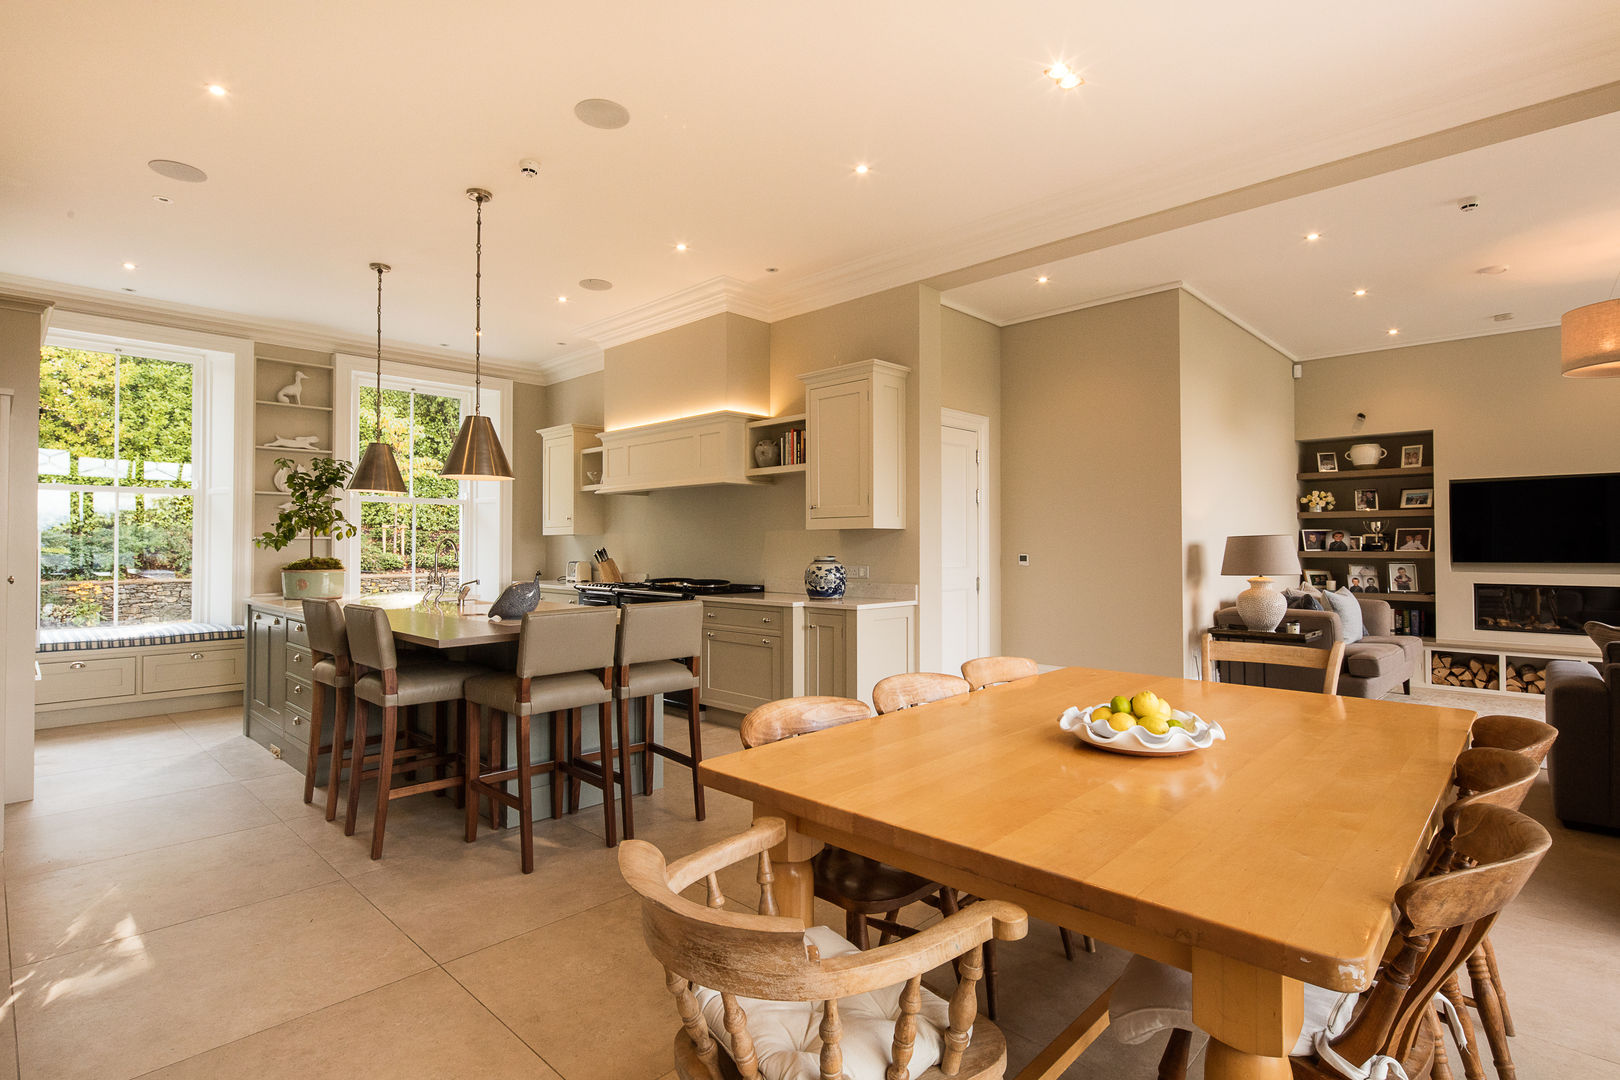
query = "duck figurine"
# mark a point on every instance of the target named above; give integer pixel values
(518, 600)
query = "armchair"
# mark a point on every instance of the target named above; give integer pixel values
(1583, 703)
(1376, 663)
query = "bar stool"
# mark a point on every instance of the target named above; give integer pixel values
(564, 663)
(390, 687)
(329, 641)
(659, 647)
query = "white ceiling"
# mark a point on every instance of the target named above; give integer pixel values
(351, 130)
(1547, 211)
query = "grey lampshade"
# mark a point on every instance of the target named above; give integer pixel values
(477, 453)
(1257, 556)
(1589, 344)
(377, 471)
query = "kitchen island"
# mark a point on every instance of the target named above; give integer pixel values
(280, 694)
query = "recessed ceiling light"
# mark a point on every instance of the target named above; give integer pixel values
(216, 89)
(164, 199)
(1042, 280)
(1393, 331)
(862, 169)
(129, 266)
(770, 269)
(1491, 270)
(1502, 316)
(595, 284)
(562, 342)
(1313, 236)
(1065, 76)
(128, 289)
(444, 344)
(602, 113)
(562, 299)
(680, 247)
(177, 170)
(1361, 292)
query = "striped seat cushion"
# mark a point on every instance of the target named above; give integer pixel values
(72, 638)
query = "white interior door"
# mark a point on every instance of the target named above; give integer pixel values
(962, 537)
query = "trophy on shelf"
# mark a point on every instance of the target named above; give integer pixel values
(1374, 538)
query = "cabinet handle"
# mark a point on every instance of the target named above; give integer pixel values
(297, 720)
(298, 688)
(79, 664)
(275, 622)
(710, 614)
(196, 656)
(766, 619)
(711, 634)
(812, 506)
(298, 657)
(764, 641)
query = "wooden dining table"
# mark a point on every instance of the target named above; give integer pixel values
(1265, 862)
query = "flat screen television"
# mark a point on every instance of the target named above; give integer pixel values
(1536, 519)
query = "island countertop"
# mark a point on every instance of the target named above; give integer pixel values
(436, 630)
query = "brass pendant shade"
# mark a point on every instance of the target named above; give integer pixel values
(378, 471)
(477, 453)
(1590, 341)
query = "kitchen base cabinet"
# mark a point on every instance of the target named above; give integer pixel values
(743, 669)
(825, 645)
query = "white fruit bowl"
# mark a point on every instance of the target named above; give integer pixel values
(1199, 734)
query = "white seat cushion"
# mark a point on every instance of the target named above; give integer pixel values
(787, 1034)
(1151, 997)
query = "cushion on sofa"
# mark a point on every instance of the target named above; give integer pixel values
(1299, 600)
(1374, 659)
(1345, 604)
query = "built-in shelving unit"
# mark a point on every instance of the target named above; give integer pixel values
(275, 367)
(789, 434)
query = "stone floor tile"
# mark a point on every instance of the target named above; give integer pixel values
(116, 742)
(108, 785)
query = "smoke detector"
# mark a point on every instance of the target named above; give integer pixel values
(1468, 203)
(529, 167)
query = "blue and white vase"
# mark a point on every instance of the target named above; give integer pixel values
(824, 578)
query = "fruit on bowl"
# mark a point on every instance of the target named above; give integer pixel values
(1142, 724)
(1146, 709)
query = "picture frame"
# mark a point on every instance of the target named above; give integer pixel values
(1366, 499)
(1403, 577)
(1417, 498)
(1412, 456)
(1327, 461)
(1364, 578)
(1373, 542)
(1338, 540)
(1318, 579)
(1354, 542)
(1313, 539)
(1411, 539)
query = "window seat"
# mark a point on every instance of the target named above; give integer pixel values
(75, 638)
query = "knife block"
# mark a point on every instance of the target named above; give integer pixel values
(608, 570)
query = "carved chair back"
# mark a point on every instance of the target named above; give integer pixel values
(916, 688)
(991, 670)
(1522, 735)
(1328, 660)
(798, 716)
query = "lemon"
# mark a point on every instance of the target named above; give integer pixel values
(1121, 721)
(1102, 713)
(1120, 704)
(1156, 724)
(1145, 704)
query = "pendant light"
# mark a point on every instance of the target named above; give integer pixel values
(1590, 342)
(378, 471)
(477, 453)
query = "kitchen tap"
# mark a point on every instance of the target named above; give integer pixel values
(438, 582)
(461, 596)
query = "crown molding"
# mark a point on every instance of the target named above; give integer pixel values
(289, 333)
(713, 297)
(586, 360)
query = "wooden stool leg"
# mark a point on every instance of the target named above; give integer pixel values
(647, 742)
(1173, 1065)
(624, 767)
(695, 726)
(604, 724)
(1490, 1016)
(441, 743)
(576, 749)
(525, 794)
(357, 762)
(385, 776)
(497, 762)
(1496, 983)
(1087, 943)
(316, 708)
(559, 764)
(990, 979)
(1469, 1050)
(475, 766)
(458, 717)
(340, 732)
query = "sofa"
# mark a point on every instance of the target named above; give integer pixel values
(1583, 703)
(1380, 661)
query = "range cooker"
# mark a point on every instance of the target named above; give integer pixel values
(656, 590)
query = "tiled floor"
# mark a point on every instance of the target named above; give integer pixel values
(172, 908)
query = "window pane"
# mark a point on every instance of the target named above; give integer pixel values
(396, 414)
(75, 557)
(436, 522)
(154, 558)
(385, 547)
(437, 421)
(154, 422)
(76, 416)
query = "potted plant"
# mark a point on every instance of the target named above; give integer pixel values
(312, 509)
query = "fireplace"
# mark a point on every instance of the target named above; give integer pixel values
(1544, 609)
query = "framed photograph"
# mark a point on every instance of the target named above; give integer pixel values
(1417, 498)
(1327, 462)
(1411, 456)
(1364, 578)
(1313, 539)
(1403, 577)
(1354, 542)
(1412, 540)
(1338, 541)
(1366, 498)
(1318, 579)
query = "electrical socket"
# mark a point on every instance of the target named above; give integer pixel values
(1023, 560)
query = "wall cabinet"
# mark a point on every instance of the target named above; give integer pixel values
(564, 509)
(855, 425)
(694, 451)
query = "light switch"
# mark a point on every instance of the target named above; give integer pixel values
(1023, 560)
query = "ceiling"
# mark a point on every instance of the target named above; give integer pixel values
(351, 129)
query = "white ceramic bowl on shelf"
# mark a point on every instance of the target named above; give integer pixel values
(1196, 734)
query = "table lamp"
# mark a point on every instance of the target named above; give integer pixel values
(1260, 606)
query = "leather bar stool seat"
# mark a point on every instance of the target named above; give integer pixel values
(418, 684)
(564, 665)
(329, 645)
(326, 672)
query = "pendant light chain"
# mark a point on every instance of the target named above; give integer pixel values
(478, 311)
(381, 270)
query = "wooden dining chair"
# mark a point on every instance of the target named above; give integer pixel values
(1442, 917)
(994, 670)
(756, 993)
(1328, 661)
(916, 688)
(1520, 734)
(564, 665)
(329, 644)
(660, 650)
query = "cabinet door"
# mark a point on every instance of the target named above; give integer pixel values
(838, 481)
(557, 487)
(259, 649)
(741, 670)
(278, 666)
(824, 666)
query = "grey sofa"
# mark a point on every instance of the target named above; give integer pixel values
(1379, 662)
(1583, 703)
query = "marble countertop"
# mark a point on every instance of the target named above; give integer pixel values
(787, 599)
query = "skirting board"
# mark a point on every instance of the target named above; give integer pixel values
(149, 706)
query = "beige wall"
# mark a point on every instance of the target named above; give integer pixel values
(1238, 458)
(721, 362)
(1090, 478)
(523, 450)
(1498, 407)
(970, 381)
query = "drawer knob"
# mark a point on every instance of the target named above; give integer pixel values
(275, 622)
(710, 614)
(196, 656)
(297, 720)
(298, 658)
(79, 664)
(766, 619)
(764, 641)
(298, 688)
(711, 633)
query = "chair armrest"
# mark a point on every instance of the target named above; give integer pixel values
(766, 833)
(1377, 617)
(887, 965)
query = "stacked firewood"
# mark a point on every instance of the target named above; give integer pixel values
(1470, 672)
(1527, 678)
